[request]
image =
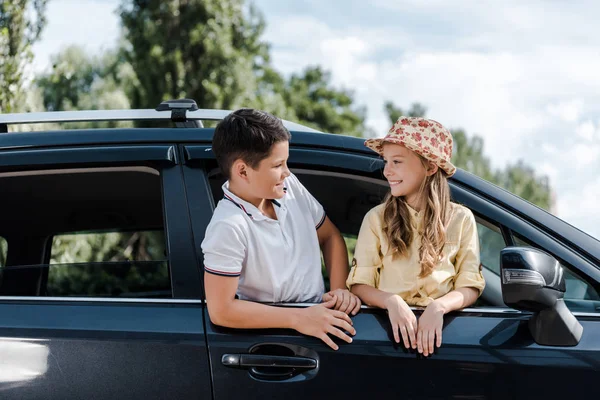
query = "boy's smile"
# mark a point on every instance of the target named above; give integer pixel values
(266, 182)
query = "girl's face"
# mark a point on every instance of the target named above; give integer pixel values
(405, 172)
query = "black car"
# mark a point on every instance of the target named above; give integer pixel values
(133, 324)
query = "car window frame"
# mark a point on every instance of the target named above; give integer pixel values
(163, 158)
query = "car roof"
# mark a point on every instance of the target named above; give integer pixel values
(70, 137)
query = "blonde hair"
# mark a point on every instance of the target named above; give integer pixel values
(436, 215)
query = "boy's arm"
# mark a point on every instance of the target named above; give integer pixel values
(318, 321)
(335, 255)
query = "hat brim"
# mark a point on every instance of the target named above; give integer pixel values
(377, 146)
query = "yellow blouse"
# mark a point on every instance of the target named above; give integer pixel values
(374, 265)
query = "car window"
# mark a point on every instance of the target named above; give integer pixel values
(491, 243)
(580, 293)
(85, 232)
(3, 251)
(350, 240)
(109, 264)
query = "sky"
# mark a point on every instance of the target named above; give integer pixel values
(521, 74)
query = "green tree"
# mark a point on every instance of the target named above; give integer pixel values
(468, 155)
(522, 180)
(211, 51)
(19, 30)
(208, 50)
(310, 99)
(394, 112)
(78, 81)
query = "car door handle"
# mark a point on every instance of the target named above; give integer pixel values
(268, 361)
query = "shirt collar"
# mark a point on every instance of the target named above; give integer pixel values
(416, 216)
(248, 208)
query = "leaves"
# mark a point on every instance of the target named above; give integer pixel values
(19, 30)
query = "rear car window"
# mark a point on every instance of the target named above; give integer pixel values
(84, 232)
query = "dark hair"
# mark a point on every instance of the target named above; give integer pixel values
(246, 134)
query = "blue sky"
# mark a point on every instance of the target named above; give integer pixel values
(522, 74)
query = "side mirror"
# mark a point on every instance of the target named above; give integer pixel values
(533, 281)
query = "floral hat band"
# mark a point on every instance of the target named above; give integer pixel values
(426, 137)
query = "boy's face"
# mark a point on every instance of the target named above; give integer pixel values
(266, 182)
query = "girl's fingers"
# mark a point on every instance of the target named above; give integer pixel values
(431, 341)
(411, 334)
(357, 306)
(405, 337)
(395, 332)
(351, 304)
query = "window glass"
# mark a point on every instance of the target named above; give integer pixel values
(109, 264)
(3, 251)
(85, 232)
(350, 241)
(491, 243)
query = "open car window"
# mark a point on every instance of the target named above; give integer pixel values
(85, 232)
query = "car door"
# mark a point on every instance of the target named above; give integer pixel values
(487, 352)
(63, 335)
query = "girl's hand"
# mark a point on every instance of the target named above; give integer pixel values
(346, 301)
(403, 321)
(430, 329)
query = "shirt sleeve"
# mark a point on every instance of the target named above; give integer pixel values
(314, 207)
(367, 254)
(468, 264)
(224, 249)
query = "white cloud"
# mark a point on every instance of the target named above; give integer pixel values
(92, 24)
(568, 111)
(588, 131)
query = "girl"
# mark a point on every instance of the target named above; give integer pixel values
(417, 248)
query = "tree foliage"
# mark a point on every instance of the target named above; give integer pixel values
(19, 30)
(310, 99)
(78, 81)
(207, 50)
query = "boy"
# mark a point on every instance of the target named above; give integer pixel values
(264, 239)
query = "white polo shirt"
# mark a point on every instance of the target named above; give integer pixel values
(276, 260)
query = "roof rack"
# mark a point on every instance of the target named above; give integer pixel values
(184, 113)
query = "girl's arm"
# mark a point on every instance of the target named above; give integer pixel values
(335, 256)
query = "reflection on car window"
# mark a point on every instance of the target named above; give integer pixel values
(3, 251)
(491, 243)
(350, 245)
(577, 288)
(109, 264)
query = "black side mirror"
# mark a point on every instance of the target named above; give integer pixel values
(533, 281)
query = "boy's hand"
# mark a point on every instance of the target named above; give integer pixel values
(403, 320)
(345, 300)
(320, 320)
